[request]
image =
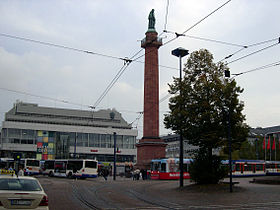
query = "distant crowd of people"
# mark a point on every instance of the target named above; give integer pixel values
(137, 174)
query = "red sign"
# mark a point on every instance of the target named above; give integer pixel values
(94, 150)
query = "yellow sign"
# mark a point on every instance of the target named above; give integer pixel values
(4, 171)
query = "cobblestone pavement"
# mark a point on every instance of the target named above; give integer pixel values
(157, 194)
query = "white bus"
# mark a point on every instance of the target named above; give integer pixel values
(30, 166)
(71, 168)
(47, 167)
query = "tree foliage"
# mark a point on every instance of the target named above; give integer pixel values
(207, 171)
(206, 102)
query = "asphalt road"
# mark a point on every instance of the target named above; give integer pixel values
(156, 194)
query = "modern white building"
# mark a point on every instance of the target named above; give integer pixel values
(49, 133)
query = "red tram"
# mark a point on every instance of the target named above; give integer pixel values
(169, 168)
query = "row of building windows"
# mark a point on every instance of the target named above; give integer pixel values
(71, 123)
(67, 117)
(23, 136)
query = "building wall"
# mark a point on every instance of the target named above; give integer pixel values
(51, 139)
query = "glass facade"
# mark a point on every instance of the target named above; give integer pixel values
(18, 136)
(52, 144)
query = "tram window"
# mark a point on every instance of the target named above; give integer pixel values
(247, 167)
(237, 167)
(155, 166)
(259, 167)
(172, 167)
(269, 166)
(185, 167)
(278, 165)
(163, 167)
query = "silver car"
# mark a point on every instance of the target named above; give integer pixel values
(22, 193)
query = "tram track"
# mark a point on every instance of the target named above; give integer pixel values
(163, 204)
(106, 197)
(83, 200)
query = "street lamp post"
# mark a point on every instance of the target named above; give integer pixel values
(227, 74)
(115, 156)
(181, 52)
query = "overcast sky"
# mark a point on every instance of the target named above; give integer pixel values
(115, 28)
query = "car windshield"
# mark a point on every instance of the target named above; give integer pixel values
(19, 184)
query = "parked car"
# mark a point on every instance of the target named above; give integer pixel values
(22, 193)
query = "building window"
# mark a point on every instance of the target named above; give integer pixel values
(24, 141)
(119, 141)
(103, 140)
(4, 133)
(28, 134)
(15, 141)
(108, 141)
(94, 140)
(14, 133)
(82, 139)
(72, 137)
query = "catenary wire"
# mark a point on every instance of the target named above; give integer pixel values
(277, 63)
(114, 80)
(166, 14)
(199, 21)
(44, 97)
(207, 39)
(251, 45)
(59, 46)
(245, 56)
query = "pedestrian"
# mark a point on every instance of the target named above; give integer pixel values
(105, 173)
(27, 172)
(137, 174)
(144, 174)
(20, 172)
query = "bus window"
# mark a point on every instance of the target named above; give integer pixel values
(33, 163)
(49, 164)
(91, 164)
(74, 165)
(60, 167)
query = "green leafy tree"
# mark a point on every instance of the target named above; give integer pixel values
(206, 171)
(205, 103)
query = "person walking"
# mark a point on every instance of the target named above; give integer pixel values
(20, 172)
(105, 173)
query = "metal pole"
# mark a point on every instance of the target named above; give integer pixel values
(181, 135)
(180, 52)
(257, 149)
(270, 151)
(75, 147)
(274, 147)
(229, 152)
(115, 155)
(264, 148)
